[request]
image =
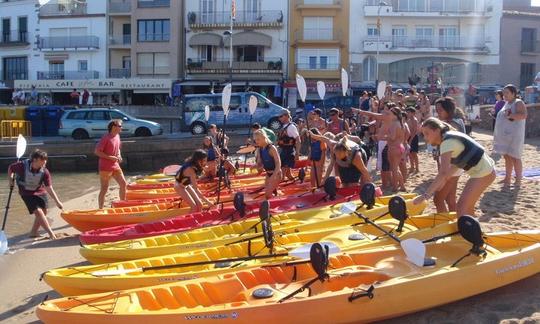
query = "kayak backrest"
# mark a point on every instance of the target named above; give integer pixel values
(330, 187)
(319, 259)
(471, 231)
(264, 210)
(397, 207)
(266, 224)
(367, 195)
(239, 203)
(301, 175)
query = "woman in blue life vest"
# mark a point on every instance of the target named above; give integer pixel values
(317, 154)
(213, 156)
(458, 151)
(186, 181)
(268, 160)
(349, 161)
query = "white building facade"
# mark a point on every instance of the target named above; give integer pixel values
(421, 41)
(259, 45)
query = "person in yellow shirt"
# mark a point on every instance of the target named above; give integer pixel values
(458, 151)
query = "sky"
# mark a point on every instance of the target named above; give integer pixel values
(536, 2)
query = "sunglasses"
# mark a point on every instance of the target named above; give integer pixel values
(118, 125)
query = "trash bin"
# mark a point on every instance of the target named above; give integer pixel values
(52, 117)
(35, 114)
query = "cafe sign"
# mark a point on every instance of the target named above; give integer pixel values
(95, 85)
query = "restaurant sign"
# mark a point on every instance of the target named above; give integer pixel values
(96, 85)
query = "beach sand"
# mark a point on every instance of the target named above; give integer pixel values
(499, 209)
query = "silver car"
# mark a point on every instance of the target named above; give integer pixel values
(88, 123)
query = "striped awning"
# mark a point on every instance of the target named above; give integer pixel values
(249, 38)
(206, 39)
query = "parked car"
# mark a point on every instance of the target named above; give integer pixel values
(192, 111)
(537, 80)
(89, 123)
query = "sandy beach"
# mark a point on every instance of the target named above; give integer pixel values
(501, 208)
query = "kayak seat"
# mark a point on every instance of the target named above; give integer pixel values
(159, 226)
(199, 295)
(165, 298)
(222, 291)
(183, 297)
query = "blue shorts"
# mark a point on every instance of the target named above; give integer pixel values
(287, 157)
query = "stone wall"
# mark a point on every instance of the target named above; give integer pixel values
(533, 119)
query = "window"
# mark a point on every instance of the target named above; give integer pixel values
(528, 38)
(153, 30)
(424, 36)
(318, 59)
(15, 68)
(208, 11)
(448, 37)
(206, 53)
(98, 115)
(6, 30)
(56, 70)
(252, 8)
(116, 115)
(412, 5)
(195, 104)
(313, 62)
(527, 74)
(249, 53)
(372, 31)
(126, 62)
(318, 28)
(82, 65)
(369, 68)
(324, 62)
(436, 5)
(78, 115)
(153, 63)
(399, 36)
(318, 1)
(23, 29)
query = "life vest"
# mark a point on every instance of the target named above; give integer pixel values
(30, 181)
(284, 140)
(211, 154)
(315, 151)
(183, 179)
(348, 172)
(267, 160)
(471, 154)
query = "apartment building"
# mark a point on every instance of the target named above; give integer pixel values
(455, 42)
(319, 43)
(17, 43)
(520, 43)
(258, 57)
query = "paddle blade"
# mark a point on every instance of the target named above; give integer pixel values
(348, 208)
(415, 251)
(114, 272)
(302, 88)
(3, 243)
(303, 252)
(381, 89)
(321, 89)
(226, 98)
(206, 113)
(344, 81)
(21, 146)
(252, 104)
(171, 170)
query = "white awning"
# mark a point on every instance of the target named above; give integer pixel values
(249, 38)
(206, 39)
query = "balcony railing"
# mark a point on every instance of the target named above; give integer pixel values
(414, 43)
(268, 65)
(428, 6)
(119, 6)
(318, 2)
(65, 42)
(530, 47)
(67, 75)
(119, 73)
(265, 18)
(312, 34)
(74, 8)
(153, 3)
(120, 40)
(317, 66)
(14, 37)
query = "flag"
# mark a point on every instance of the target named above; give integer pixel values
(233, 9)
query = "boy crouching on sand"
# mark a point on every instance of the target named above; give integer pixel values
(34, 182)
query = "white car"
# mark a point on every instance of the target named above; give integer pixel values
(89, 123)
(536, 81)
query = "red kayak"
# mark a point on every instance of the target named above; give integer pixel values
(215, 217)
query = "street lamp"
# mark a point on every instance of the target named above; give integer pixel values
(382, 3)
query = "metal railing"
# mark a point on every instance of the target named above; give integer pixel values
(153, 70)
(63, 9)
(119, 6)
(440, 6)
(119, 39)
(119, 73)
(266, 65)
(242, 17)
(318, 2)
(67, 75)
(439, 42)
(64, 42)
(153, 3)
(14, 37)
(530, 46)
(8, 75)
(318, 34)
(153, 37)
(317, 66)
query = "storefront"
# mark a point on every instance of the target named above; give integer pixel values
(101, 92)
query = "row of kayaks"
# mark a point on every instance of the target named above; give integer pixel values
(342, 260)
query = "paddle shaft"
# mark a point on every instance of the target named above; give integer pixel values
(370, 222)
(7, 207)
(221, 159)
(249, 137)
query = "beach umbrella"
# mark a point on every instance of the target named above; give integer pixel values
(344, 82)
(381, 88)
(21, 148)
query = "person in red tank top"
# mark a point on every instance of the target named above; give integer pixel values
(110, 157)
(336, 124)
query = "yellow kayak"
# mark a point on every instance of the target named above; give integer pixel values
(168, 268)
(201, 238)
(354, 287)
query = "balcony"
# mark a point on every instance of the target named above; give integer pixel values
(319, 36)
(119, 7)
(319, 70)
(14, 38)
(315, 7)
(68, 42)
(67, 75)
(71, 8)
(119, 73)
(426, 44)
(153, 3)
(430, 8)
(244, 19)
(266, 66)
(120, 40)
(530, 47)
